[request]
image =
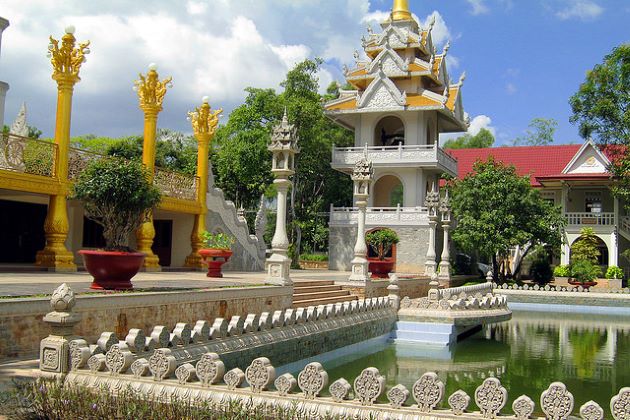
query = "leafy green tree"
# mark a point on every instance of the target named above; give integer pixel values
(601, 107)
(586, 248)
(315, 185)
(540, 133)
(497, 210)
(482, 139)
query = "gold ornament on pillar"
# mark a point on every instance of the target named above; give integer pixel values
(66, 61)
(204, 123)
(400, 11)
(151, 93)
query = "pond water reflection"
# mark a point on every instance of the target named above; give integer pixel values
(589, 353)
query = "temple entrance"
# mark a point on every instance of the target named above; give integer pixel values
(22, 227)
(388, 192)
(390, 131)
(163, 241)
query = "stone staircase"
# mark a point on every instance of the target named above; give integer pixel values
(319, 292)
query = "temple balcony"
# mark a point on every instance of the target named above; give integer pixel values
(380, 216)
(420, 156)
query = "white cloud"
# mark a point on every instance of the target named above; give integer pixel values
(210, 47)
(440, 34)
(479, 7)
(479, 122)
(375, 17)
(580, 9)
(511, 88)
(452, 62)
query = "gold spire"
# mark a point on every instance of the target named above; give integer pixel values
(400, 11)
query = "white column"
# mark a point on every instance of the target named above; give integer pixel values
(565, 249)
(4, 87)
(278, 264)
(445, 260)
(613, 252)
(360, 262)
(430, 264)
(611, 343)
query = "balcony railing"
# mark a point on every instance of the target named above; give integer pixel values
(381, 216)
(176, 184)
(26, 155)
(429, 154)
(597, 219)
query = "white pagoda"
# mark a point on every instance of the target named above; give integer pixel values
(402, 100)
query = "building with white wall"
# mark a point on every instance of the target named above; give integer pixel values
(401, 99)
(4, 86)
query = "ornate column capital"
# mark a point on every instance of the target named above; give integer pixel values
(67, 59)
(204, 122)
(151, 90)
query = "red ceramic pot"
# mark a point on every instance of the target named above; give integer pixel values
(585, 285)
(380, 268)
(112, 270)
(214, 258)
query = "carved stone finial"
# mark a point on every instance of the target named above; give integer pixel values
(556, 401)
(490, 397)
(363, 170)
(458, 401)
(447, 46)
(312, 379)
(523, 407)
(462, 77)
(369, 385)
(428, 391)
(62, 299)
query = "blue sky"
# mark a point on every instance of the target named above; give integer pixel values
(523, 58)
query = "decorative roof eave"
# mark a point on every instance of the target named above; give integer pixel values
(346, 96)
(451, 117)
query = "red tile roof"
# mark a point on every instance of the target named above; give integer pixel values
(528, 160)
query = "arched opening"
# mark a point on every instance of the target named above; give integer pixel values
(390, 131)
(601, 247)
(388, 192)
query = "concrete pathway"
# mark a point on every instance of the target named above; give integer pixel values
(24, 283)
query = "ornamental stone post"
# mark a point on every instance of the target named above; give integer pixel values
(431, 202)
(445, 263)
(362, 177)
(66, 60)
(283, 147)
(151, 93)
(54, 350)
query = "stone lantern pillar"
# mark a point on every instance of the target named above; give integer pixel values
(283, 147)
(431, 202)
(445, 263)
(362, 176)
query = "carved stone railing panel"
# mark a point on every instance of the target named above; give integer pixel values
(549, 288)
(176, 184)
(78, 160)
(381, 216)
(418, 155)
(26, 155)
(183, 383)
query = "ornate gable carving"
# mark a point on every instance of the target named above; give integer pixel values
(382, 93)
(588, 160)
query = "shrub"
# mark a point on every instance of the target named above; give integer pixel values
(586, 247)
(314, 257)
(614, 272)
(562, 271)
(49, 399)
(540, 271)
(381, 241)
(217, 240)
(585, 271)
(118, 195)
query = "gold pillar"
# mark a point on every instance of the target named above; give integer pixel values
(66, 61)
(151, 93)
(204, 124)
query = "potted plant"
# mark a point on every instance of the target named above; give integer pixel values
(614, 275)
(118, 195)
(381, 242)
(216, 252)
(561, 274)
(584, 273)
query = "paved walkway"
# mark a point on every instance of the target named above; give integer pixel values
(24, 284)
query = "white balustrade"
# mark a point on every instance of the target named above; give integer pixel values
(587, 218)
(381, 216)
(395, 155)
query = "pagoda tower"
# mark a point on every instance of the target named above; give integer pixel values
(401, 100)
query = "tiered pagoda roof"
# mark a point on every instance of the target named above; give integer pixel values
(401, 70)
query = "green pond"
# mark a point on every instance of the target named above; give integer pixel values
(590, 353)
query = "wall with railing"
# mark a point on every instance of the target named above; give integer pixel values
(395, 155)
(381, 216)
